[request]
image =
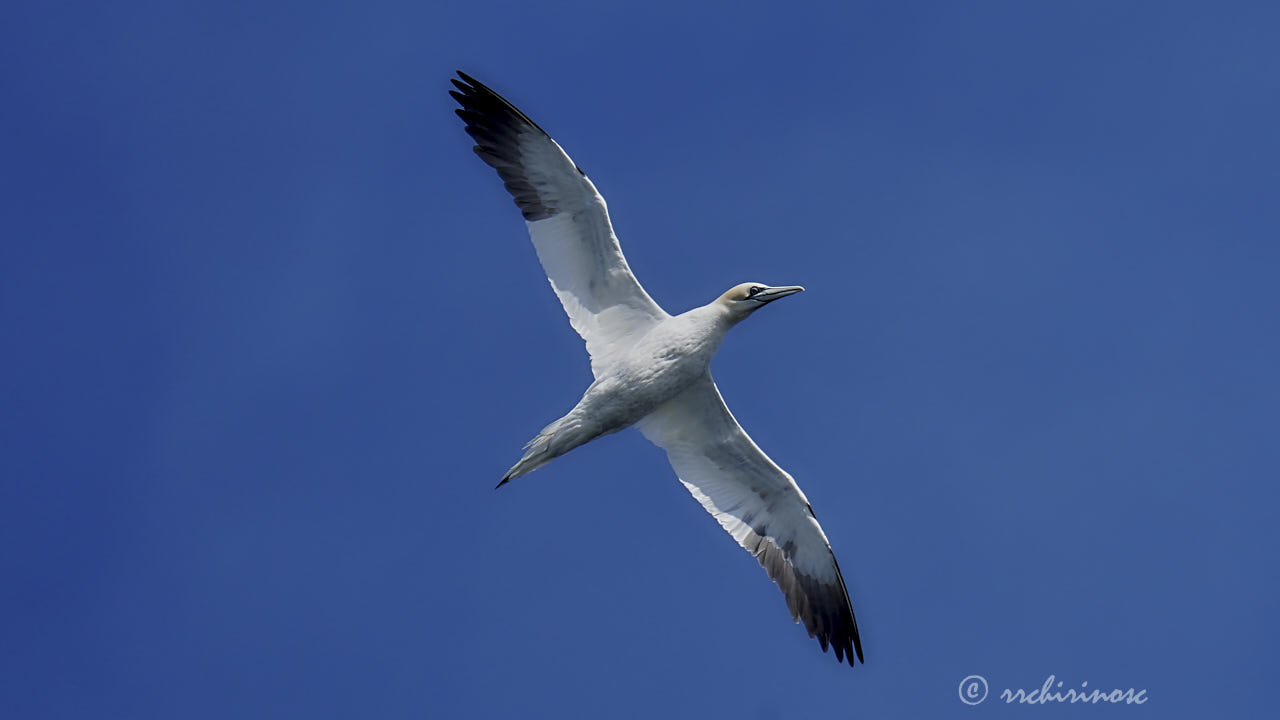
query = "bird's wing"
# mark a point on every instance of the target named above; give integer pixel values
(761, 506)
(567, 220)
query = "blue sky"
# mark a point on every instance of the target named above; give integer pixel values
(272, 334)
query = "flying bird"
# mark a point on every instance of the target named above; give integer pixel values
(652, 369)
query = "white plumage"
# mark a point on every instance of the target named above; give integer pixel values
(652, 369)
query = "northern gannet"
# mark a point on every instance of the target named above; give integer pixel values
(652, 370)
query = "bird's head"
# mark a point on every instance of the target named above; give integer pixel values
(742, 300)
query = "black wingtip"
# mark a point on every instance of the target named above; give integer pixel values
(473, 90)
(499, 130)
(468, 84)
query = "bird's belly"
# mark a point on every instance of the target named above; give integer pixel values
(639, 384)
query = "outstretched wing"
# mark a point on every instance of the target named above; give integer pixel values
(760, 506)
(567, 220)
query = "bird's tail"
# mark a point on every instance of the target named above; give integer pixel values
(537, 452)
(555, 440)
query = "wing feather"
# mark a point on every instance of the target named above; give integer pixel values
(567, 220)
(761, 506)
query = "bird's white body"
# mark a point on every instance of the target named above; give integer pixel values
(642, 373)
(652, 369)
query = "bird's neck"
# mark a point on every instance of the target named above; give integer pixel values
(712, 322)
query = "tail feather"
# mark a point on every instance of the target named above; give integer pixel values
(555, 440)
(537, 452)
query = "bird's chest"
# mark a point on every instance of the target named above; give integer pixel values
(665, 364)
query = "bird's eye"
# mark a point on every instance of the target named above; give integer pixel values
(752, 292)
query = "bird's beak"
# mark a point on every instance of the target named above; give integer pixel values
(770, 294)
